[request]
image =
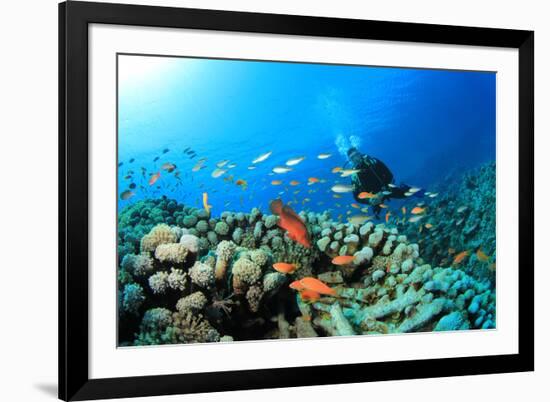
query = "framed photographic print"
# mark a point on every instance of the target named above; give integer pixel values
(257, 200)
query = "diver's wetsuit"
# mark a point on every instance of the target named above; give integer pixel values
(374, 177)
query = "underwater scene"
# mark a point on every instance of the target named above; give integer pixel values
(264, 200)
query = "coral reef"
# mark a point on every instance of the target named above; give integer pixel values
(174, 253)
(462, 218)
(187, 277)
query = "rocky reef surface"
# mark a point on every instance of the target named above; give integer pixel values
(184, 277)
(462, 218)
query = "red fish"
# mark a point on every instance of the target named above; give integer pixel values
(154, 178)
(284, 267)
(460, 256)
(343, 259)
(296, 285)
(309, 296)
(291, 222)
(315, 285)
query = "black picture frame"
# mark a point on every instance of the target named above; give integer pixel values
(74, 18)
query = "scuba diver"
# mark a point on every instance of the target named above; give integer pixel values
(374, 177)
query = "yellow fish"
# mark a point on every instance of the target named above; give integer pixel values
(205, 203)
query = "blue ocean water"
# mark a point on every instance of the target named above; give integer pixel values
(424, 124)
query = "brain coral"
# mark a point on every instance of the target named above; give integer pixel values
(160, 234)
(174, 253)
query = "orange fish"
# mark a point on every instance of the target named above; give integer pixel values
(354, 205)
(291, 222)
(365, 194)
(316, 285)
(481, 256)
(404, 210)
(343, 260)
(382, 205)
(294, 183)
(460, 256)
(241, 182)
(296, 285)
(153, 179)
(336, 169)
(428, 225)
(284, 267)
(417, 210)
(388, 216)
(309, 296)
(312, 180)
(276, 182)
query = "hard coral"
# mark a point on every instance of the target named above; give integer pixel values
(160, 234)
(245, 273)
(174, 253)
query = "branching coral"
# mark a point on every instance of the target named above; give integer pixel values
(388, 287)
(193, 303)
(224, 253)
(188, 327)
(174, 253)
(138, 265)
(132, 298)
(202, 275)
(153, 326)
(254, 296)
(245, 273)
(177, 279)
(160, 234)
